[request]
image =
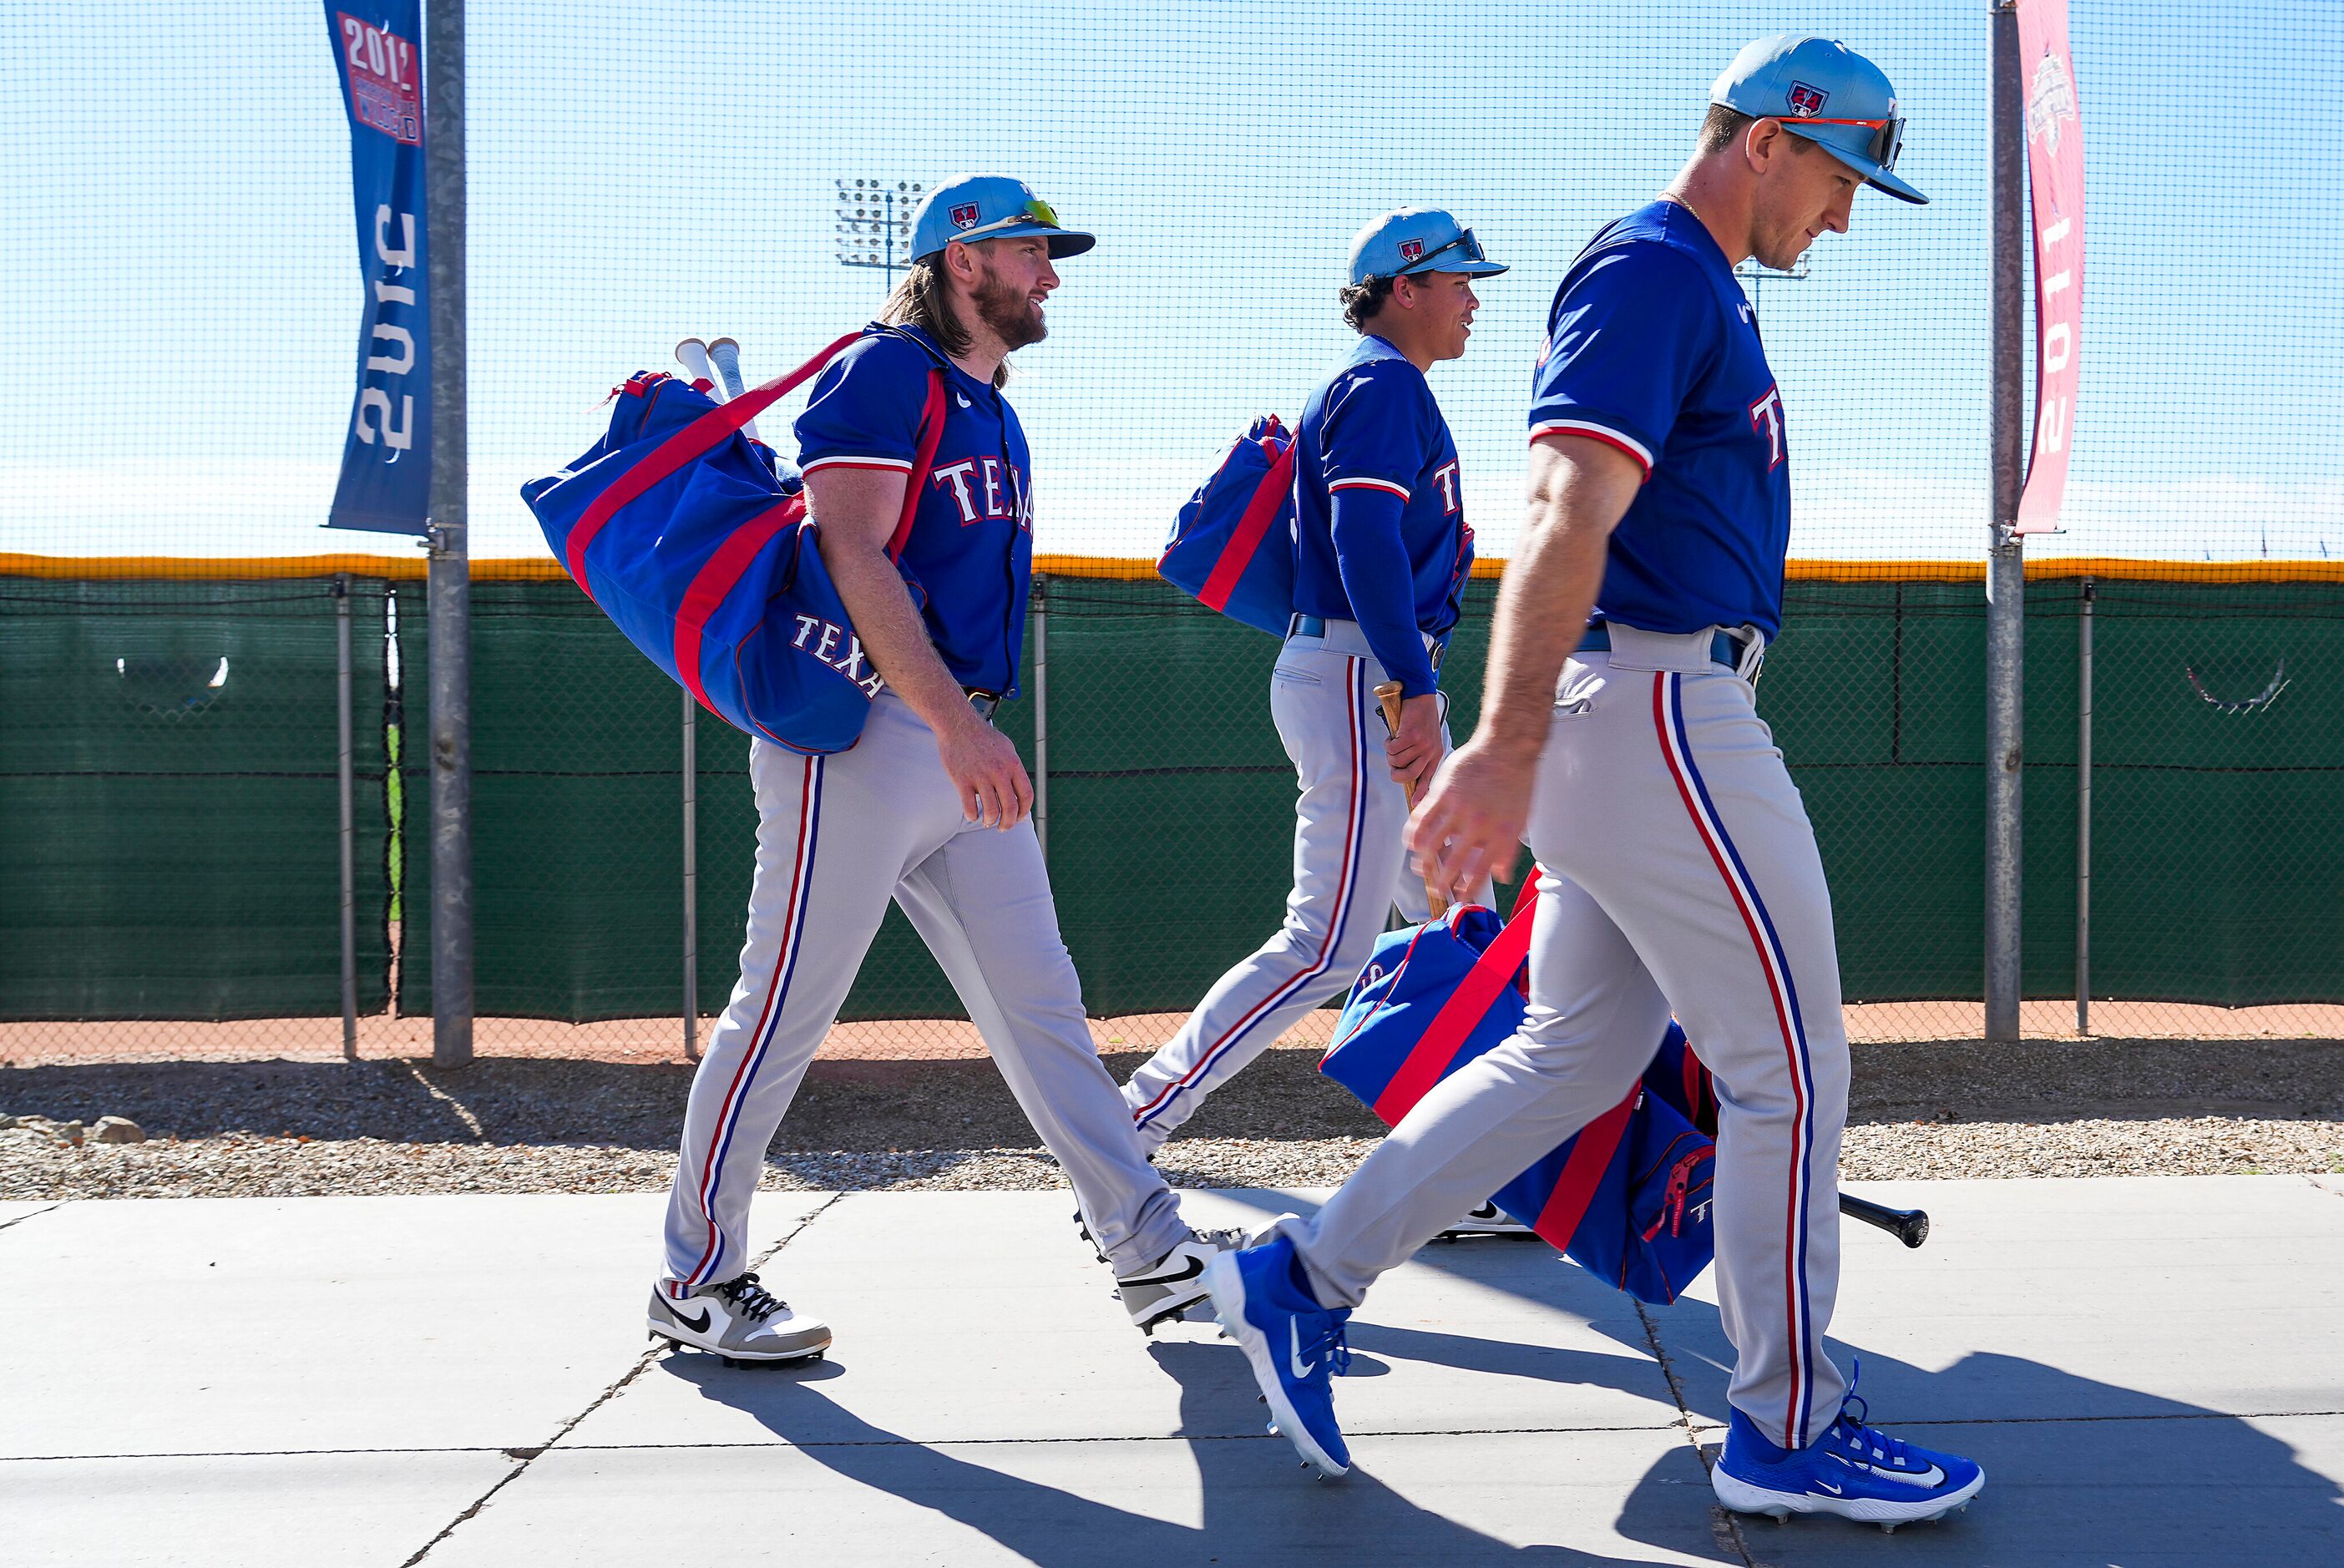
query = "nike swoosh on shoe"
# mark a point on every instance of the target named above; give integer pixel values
(1195, 1267)
(700, 1326)
(1294, 1361)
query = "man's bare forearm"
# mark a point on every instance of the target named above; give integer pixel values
(895, 639)
(1578, 490)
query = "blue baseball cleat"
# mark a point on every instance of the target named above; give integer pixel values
(1855, 1471)
(1290, 1340)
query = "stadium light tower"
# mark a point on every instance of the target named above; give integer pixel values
(874, 224)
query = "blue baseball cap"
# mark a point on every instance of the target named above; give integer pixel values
(1418, 239)
(975, 207)
(1824, 91)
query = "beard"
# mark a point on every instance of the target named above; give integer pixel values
(1010, 316)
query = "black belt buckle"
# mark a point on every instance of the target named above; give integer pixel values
(986, 703)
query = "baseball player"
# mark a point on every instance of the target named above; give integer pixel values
(930, 806)
(1677, 868)
(1382, 550)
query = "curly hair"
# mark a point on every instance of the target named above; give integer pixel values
(1361, 302)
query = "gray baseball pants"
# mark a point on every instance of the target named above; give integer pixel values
(836, 837)
(1679, 874)
(1350, 870)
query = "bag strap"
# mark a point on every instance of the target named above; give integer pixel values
(1247, 537)
(1582, 1172)
(696, 440)
(932, 435)
(1463, 1011)
(714, 581)
(716, 578)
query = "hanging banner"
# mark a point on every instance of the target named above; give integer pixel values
(2055, 167)
(387, 456)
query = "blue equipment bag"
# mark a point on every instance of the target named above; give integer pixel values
(695, 540)
(1629, 1197)
(1232, 546)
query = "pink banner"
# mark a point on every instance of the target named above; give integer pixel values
(2055, 164)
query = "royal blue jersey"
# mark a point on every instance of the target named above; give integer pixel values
(1395, 562)
(1652, 348)
(971, 547)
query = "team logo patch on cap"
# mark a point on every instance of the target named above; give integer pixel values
(1806, 102)
(965, 216)
(1410, 249)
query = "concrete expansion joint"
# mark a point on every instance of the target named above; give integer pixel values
(526, 1455)
(1724, 1526)
(5, 1224)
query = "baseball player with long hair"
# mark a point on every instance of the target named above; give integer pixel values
(1382, 550)
(1677, 867)
(930, 806)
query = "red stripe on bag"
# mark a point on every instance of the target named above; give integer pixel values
(1246, 538)
(932, 435)
(1582, 1173)
(696, 439)
(1466, 1008)
(715, 580)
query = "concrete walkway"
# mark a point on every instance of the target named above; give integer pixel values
(2152, 1371)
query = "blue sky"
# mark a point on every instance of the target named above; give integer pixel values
(177, 356)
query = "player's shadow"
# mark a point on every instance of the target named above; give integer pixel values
(2078, 1471)
(1258, 1504)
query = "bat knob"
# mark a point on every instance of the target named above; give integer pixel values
(1914, 1227)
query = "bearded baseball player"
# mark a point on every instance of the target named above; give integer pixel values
(930, 806)
(1678, 871)
(1382, 550)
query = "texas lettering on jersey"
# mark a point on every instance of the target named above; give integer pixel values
(986, 490)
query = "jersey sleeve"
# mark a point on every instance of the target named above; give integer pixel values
(866, 409)
(1364, 523)
(1626, 340)
(1378, 430)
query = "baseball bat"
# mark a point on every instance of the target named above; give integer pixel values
(724, 353)
(1388, 695)
(692, 355)
(1910, 1226)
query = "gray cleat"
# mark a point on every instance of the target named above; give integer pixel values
(1167, 1287)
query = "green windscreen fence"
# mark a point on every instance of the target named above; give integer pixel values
(168, 831)
(170, 823)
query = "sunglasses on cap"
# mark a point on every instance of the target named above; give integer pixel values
(1887, 138)
(1465, 243)
(1035, 211)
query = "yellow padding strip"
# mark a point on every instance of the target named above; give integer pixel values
(544, 569)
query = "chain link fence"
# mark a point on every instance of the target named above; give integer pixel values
(171, 817)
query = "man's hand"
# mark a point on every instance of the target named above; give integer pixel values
(1415, 748)
(984, 768)
(1471, 825)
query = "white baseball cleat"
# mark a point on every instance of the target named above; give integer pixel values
(739, 1320)
(1487, 1220)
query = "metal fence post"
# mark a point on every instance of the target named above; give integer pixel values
(346, 789)
(449, 581)
(1042, 716)
(2005, 591)
(690, 879)
(2084, 814)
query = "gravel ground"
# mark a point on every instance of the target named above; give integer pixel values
(285, 1128)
